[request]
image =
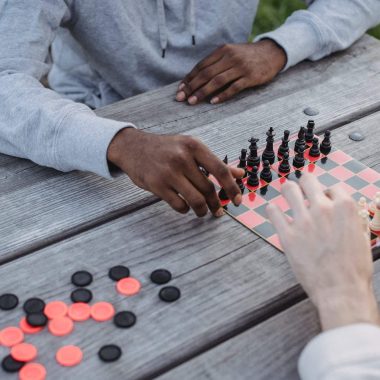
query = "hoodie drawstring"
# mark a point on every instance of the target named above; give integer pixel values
(163, 30)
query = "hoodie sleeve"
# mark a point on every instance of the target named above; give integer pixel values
(325, 27)
(35, 122)
(345, 353)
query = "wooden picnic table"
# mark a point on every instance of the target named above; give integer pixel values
(242, 314)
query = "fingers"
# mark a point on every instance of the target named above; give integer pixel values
(192, 196)
(221, 172)
(206, 188)
(278, 219)
(312, 188)
(175, 201)
(215, 84)
(235, 87)
(293, 194)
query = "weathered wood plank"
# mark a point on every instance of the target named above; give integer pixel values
(230, 281)
(40, 206)
(267, 351)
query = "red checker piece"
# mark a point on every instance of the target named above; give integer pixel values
(61, 326)
(11, 336)
(24, 352)
(69, 356)
(55, 309)
(27, 328)
(128, 286)
(250, 219)
(79, 311)
(32, 371)
(103, 311)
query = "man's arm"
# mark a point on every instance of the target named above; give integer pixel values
(330, 255)
(325, 27)
(38, 124)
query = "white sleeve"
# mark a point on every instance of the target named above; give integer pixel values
(345, 353)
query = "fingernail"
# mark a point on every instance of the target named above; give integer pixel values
(181, 96)
(237, 200)
(181, 86)
(214, 100)
(192, 99)
(219, 213)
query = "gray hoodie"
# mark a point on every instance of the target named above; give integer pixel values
(104, 51)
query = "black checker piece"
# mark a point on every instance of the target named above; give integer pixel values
(8, 301)
(81, 295)
(124, 319)
(81, 278)
(110, 353)
(118, 272)
(169, 294)
(34, 305)
(160, 276)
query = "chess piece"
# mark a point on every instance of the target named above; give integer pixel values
(266, 173)
(309, 135)
(284, 147)
(253, 179)
(364, 220)
(253, 159)
(326, 144)
(314, 150)
(374, 225)
(299, 159)
(225, 160)
(268, 154)
(284, 166)
(300, 142)
(240, 183)
(243, 161)
(223, 195)
(362, 204)
(372, 205)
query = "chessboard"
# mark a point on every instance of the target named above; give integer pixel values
(336, 168)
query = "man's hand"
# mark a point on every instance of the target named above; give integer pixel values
(231, 69)
(329, 252)
(169, 167)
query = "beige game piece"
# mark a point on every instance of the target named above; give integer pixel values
(374, 225)
(364, 218)
(372, 206)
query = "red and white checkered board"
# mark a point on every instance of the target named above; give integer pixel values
(335, 169)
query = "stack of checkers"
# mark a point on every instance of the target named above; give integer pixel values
(268, 169)
(60, 318)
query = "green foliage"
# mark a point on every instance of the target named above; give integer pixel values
(272, 13)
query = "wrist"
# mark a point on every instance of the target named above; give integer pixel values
(277, 55)
(353, 305)
(119, 145)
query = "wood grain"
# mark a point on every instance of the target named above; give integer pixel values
(267, 351)
(230, 281)
(40, 206)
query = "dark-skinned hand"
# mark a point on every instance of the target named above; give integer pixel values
(231, 69)
(169, 167)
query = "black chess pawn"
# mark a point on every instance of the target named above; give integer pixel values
(300, 142)
(266, 173)
(243, 161)
(309, 135)
(268, 154)
(284, 147)
(253, 179)
(314, 150)
(326, 144)
(223, 195)
(225, 160)
(253, 159)
(240, 183)
(284, 166)
(299, 159)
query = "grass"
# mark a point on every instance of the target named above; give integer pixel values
(272, 13)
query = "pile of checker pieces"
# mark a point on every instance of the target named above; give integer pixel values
(59, 319)
(287, 160)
